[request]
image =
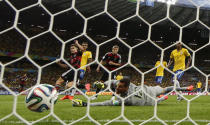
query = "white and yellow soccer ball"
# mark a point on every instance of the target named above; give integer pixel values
(41, 97)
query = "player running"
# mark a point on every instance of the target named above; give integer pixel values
(178, 57)
(124, 88)
(68, 76)
(86, 58)
(22, 81)
(111, 61)
(160, 71)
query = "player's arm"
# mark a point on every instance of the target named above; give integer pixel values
(89, 61)
(79, 46)
(62, 65)
(156, 64)
(187, 54)
(113, 63)
(171, 60)
(106, 103)
(171, 88)
(80, 103)
(189, 61)
(102, 62)
(116, 64)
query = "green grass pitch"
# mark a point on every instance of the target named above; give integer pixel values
(170, 111)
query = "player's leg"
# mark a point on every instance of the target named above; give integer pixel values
(68, 76)
(158, 79)
(159, 90)
(62, 79)
(104, 77)
(198, 90)
(72, 91)
(59, 83)
(80, 76)
(114, 74)
(21, 87)
(179, 75)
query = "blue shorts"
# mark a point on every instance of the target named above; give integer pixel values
(81, 74)
(180, 74)
(158, 79)
(198, 89)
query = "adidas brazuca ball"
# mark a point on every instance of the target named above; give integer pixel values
(41, 97)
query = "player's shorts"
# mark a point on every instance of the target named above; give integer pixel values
(105, 76)
(158, 79)
(198, 89)
(81, 74)
(69, 75)
(180, 74)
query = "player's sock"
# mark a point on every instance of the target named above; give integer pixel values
(179, 89)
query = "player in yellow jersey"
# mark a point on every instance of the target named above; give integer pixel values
(178, 56)
(160, 71)
(119, 76)
(199, 85)
(86, 58)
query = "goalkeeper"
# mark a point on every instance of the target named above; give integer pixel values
(124, 88)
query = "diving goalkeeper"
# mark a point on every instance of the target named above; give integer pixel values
(124, 88)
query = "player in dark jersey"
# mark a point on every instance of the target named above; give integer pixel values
(22, 81)
(68, 76)
(111, 60)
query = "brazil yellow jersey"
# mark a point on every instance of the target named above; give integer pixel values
(199, 84)
(119, 77)
(85, 56)
(160, 69)
(179, 58)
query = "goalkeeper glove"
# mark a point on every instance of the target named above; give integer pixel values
(78, 103)
(98, 85)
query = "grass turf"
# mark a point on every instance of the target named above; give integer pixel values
(169, 110)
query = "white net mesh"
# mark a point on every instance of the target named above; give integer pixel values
(133, 25)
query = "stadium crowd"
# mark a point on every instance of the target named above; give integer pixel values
(43, 47)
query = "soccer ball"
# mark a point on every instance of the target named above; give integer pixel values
(41, 97)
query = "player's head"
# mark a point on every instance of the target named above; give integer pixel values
(115, 49)
(73, 48)
(123, 85)
(179, 46)
(85, 45)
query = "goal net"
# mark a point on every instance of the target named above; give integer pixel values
(36, 34)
